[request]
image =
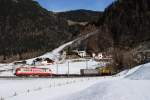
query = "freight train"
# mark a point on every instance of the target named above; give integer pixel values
(89, 72)
(33, 71)
(99, 71)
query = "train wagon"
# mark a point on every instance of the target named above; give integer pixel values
(33, 71)
(105, 71)
(89, 72)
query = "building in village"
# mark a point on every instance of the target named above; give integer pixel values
(102, 56)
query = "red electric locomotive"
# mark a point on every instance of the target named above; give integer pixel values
(33, 71)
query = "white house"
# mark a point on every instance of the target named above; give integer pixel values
(97, 56)
(81, 53)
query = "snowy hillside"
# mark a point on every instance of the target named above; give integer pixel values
(114, 90)
(141, 73)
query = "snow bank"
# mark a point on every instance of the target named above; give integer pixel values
(141, 72)
(122, 73)
(114, 90)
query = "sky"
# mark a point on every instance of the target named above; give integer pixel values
(66, 5)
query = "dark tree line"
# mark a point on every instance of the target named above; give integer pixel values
(25, 27)
(128, 23)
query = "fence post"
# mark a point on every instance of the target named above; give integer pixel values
(1, 98)
(86, 61)
(28, 90)
(57, 68)
(50, 86)
(15, 94)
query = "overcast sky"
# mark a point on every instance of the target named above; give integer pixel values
(65, 5)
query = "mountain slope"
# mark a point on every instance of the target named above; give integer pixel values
(123, 31)
(128, 22)
(28, 30)
(80, 15)
(78, 20)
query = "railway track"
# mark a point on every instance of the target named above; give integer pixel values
(54, 76)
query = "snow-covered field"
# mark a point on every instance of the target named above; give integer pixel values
(114, 90)
(43, 89)
(133, 84)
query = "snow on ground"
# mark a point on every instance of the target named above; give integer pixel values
(43, 89)
(114, 90)
(122, 73)
(125, 88)
(131, 84)
(140, 73)
(6, 69)
(5, 66)
(7, 73)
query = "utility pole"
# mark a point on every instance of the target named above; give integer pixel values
(68, 68)
(86, 61)
(57, 68)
